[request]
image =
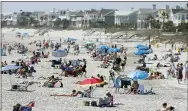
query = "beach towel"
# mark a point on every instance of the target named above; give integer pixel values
(141, 89)
(25, 108)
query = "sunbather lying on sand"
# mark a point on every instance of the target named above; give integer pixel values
(52, 81)
(73, 94)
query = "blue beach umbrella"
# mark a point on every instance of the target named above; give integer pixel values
(141, 52)
(113, 50)
(138, 75)
(103, 47)
(143, 48)
(139, 46)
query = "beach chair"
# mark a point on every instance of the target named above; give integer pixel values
(20, 87)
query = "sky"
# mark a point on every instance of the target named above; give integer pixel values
(9, 7)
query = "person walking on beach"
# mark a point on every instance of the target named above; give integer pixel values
(186, 71)
(84, 67)
(179, 72)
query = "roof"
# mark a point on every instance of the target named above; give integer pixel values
(92, 12)
(183, 12)
(79, 14)
(123, 13)
(147, 10)
(174, 11)
(108, 12)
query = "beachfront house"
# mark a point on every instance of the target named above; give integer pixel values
(64, 15)
(51, 17)
(125, 17)
(90, 17)
(10, 19)
(162, 15)
(39, 16)
(107, 16)
(76, 19)
(142, 16)
(179, 16)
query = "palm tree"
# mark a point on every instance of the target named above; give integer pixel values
(57, 22)
(31, 21)
(164, 16)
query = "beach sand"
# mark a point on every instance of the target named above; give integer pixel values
(167, 90)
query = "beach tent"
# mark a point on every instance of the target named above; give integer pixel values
(113, 50)
(138, 75)
(59, 53)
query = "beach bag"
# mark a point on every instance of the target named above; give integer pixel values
(86, 103)
(93, 103)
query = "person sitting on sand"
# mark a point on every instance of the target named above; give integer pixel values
(107, 101)
(87, 93)
(170, 108)
(150, 77)
(155, 57)
(52, 81)
(164, 107)
(2, 64)
(134, 87)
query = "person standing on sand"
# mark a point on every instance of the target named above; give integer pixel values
(84, 67)
(180, 72)
(186, 70)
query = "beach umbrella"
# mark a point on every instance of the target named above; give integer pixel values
(142, 52)
(10, 67)
(103, 47)
(59, 53)
(138, 75)
(139, 46)
(90, 82)
(143, 48)
(113, 50)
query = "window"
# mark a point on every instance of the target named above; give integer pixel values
(187, 16)
(183, 17)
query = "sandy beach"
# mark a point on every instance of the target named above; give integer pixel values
(167, 90)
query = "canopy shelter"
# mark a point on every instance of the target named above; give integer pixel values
(10, 67)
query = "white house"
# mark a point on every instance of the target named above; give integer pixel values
(122, 17)
(142, 16)
(77, 18)
(180, 16)
(64, 14)
(51, 17)
(90, 16)
(11, 19)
